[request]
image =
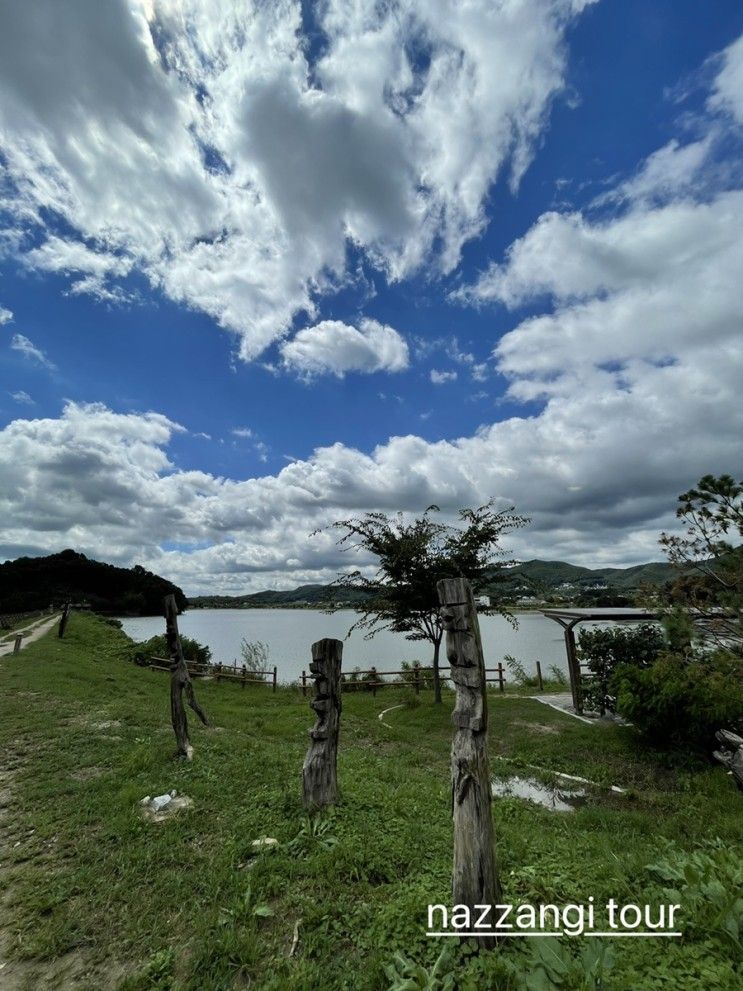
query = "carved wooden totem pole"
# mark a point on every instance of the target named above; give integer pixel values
(63, 620)
(319, 779)
(474, 877)
(180, 680)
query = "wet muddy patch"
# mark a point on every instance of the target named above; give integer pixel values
(556, 798)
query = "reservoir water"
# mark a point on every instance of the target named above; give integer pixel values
(289, 634)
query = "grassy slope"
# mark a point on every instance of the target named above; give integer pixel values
(88, 736)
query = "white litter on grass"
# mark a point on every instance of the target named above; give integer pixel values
(161, 807)
(264, 841)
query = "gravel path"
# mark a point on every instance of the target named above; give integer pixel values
(29, 633)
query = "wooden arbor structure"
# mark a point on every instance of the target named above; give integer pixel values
(570, 618)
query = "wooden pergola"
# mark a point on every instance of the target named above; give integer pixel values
(570, 618)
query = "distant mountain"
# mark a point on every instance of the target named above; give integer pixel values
(316, 596)
(530, 578)
(552, 574)
(34, 582)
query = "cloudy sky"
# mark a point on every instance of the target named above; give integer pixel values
(267, 264)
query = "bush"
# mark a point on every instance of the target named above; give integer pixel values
(605, 650)
(255, 656)
(683, 699)
(158, 647)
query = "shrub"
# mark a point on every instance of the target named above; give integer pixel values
(158, 647)
(254, 656)
(604, 650)
(518, 671)
(683, 699)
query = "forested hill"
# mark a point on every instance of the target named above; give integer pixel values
(34, 582)
(535, 578)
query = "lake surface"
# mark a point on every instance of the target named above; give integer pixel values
(290, 633)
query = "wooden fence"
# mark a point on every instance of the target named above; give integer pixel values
(231, 672)
(415, 677)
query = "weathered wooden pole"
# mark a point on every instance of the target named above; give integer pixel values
(474, 876)
(319, 774)
(63, 620)
(180, 679)
(730, 754)
(17, 643)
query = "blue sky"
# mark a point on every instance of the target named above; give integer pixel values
(259, 271)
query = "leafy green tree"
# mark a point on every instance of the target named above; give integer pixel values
(412, 557)
(709, 556)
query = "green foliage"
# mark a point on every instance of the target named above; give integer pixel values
(315, 835)
(558, 674)
(254, 655)
(94, 878)
(413, 557)
(682, 700)
(518, 671)
(606, 649)
(708, 884)
(407, 975)
(158, 647)
(246, 908)
(34, 582)
(156, 975)
(711, 563)
(552, 966)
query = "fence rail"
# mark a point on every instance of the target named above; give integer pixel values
(218, 671)
(416, 677)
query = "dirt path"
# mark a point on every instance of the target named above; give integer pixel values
(29, 633)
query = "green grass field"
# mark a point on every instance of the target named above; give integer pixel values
(93, 896)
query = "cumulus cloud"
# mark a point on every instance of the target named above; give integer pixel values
(440, 377)
(6, 316)
(217, 155)
(333, 347)
(103, 482)
(29, 350)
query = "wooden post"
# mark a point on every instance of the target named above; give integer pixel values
(17, 644)
(304, 683)
(374, 681)
(573, 667)
(730, 754)
(474, 876)
(501, 682)
(416, 677)
(63, 620)
(274, 677)
(180, 680)
(319, 774)
(540, 681)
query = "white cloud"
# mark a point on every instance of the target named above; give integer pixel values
(334, 347)
(103, 482)
(727, 93)
(22, 397)
(439, 377)
(205, 157)
(6, 316)
(29, 350)
(242, 432)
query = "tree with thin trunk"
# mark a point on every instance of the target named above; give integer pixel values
(709, 556)
(412, 556)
